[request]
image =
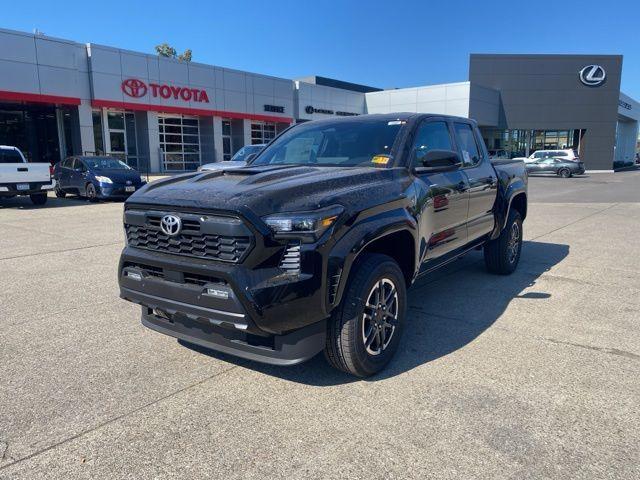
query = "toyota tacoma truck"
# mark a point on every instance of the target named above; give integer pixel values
(313, 244)
(19, 177)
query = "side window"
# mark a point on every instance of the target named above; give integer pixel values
(467, 143)
(430, 136)
(538, 154)
(77, 165)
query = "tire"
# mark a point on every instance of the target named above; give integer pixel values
(348, 331)
(59, 192)
(38, 198)
(91, 192)
(564, 173)
(502, 255)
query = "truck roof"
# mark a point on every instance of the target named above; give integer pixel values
(390, 117)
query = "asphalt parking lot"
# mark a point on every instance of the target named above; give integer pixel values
(535, 375)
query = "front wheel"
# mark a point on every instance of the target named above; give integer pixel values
(38, 198)
(91, 192)
(503, 254)
(364, 331)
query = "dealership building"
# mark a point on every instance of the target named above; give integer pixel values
(60, 98)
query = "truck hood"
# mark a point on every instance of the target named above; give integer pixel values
(273, 189)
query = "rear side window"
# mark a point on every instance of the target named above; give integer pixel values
(77, 164)
(431, 136)
(10, 156)
(561, 154)
(468, 145)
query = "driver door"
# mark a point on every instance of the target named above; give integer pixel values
(442, 198)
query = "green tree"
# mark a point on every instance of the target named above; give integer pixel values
(166, 50)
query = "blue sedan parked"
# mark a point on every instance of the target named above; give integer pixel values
(95, 178)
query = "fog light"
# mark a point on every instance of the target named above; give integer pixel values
(134, 276)
(216, 292)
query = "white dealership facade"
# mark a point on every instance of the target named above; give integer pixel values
(60, 98)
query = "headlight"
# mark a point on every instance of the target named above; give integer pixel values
(311, 224)
(103, 179)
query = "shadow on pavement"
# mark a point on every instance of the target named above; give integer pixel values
(24, 203)
(446, 311)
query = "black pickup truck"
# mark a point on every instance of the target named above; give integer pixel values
(313, 244)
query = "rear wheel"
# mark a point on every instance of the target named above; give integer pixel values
(59, 192)
(564, 172)
(38, 198)
(364, 331)
(91, 192)
(503, 254)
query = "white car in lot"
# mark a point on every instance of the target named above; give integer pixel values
(566, 154)
(19, 177)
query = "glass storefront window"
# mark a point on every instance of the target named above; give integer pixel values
(98, 137)
(522, 143)
(262, 132)
(115, 120)
(227, 150)
(179, 142)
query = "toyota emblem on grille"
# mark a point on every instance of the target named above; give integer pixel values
(171, 225)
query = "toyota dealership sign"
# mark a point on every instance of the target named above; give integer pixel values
(136, 88)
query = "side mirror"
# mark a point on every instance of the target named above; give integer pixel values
(435, 161)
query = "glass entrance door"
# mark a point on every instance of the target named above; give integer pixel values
(121, 136)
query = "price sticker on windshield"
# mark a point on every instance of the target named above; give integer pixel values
(381, 159)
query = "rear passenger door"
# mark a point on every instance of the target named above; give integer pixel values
(65, 172)
(442, 197)
(482, 179)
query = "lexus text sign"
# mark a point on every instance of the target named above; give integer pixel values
(136, 88)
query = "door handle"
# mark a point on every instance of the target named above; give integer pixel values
(23, 169)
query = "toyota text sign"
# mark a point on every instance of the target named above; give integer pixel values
(136, 88)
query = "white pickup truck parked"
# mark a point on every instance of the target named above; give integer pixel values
(19, 177)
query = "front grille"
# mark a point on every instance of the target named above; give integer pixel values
(214, 247)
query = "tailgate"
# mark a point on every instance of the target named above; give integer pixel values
(24, 173)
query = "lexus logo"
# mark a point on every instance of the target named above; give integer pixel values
(134, 87)
(593, 75)
(171, 225)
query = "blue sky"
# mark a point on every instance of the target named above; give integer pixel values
(379, 43)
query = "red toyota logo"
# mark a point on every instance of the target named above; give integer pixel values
(134, 87)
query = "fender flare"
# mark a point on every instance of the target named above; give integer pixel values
(503, 203)
(364, 232)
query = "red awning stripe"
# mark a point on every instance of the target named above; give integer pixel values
(187, 111)
(37, 98)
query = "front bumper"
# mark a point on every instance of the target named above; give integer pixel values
(256, 313)
(114, 190)
(290, 349)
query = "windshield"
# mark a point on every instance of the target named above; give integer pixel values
(335, 144)
(104, 163)
(246, 151)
